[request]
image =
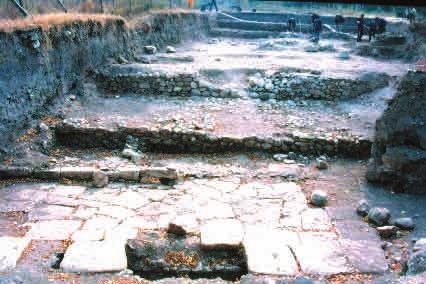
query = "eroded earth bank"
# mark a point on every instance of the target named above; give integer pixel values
(180, 147)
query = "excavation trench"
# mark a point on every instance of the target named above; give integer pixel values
(154, 256)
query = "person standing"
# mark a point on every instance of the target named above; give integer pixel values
(317, 27)
(291, 23)
(360, 27)
(412, 15)
(213, 3)
(339, 20)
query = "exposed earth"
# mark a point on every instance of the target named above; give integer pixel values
(198, 164)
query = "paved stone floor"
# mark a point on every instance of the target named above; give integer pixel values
(256, 208)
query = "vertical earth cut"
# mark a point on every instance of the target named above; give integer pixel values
(399, 149)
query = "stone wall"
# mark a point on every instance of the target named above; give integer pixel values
(282, 85)
(190, 141)
(399, 150)
(156, 84)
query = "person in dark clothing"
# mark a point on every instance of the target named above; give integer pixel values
(360, 27)
(380, 25)
(213, 3)
(372, 29)
(291, 24)
(339, 20)
(317, 27)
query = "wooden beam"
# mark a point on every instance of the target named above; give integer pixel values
(20, 8)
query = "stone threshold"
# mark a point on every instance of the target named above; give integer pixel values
(85, 173)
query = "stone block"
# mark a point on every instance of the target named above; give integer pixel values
(53, 229)
(267, 251)
(10, 251)
(221, 233)
(94, 256)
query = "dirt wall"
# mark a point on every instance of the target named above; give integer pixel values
(38, 67)
(399, 149)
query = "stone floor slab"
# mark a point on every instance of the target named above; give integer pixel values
(68, 190)
(279, 190)
(365, 256)
(130, 199)
(50, 212)
(321, 254)
(267, 251)
(215, 210)
(10, 251)
(221, 233)
(53, 229)
(95, 256)
(116, 212)
(316, 219)
(15, 206)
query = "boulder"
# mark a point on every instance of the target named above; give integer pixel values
(405, 223)
(399, 148)
(363, 208)
(319, 198)
(420, 245)
(417, 262)
(379, 216)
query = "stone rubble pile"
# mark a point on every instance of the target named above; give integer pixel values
(381, 218)
(159, 83)
(283, 86)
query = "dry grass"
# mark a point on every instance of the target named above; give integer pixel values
(48, 20)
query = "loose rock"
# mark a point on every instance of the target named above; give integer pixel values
(379, 216)
(319, 198)
(170, 49)
(322, 163)
(363, 208)
(405, 223)
(150, 49)
(100, 179)
(387, 231)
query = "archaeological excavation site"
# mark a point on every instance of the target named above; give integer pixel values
(217, 142)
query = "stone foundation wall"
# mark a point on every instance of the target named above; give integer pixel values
(200, 142)
(283, 86)
(399, 150)
(155, 84)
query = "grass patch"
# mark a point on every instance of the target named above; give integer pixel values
(45, 22)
